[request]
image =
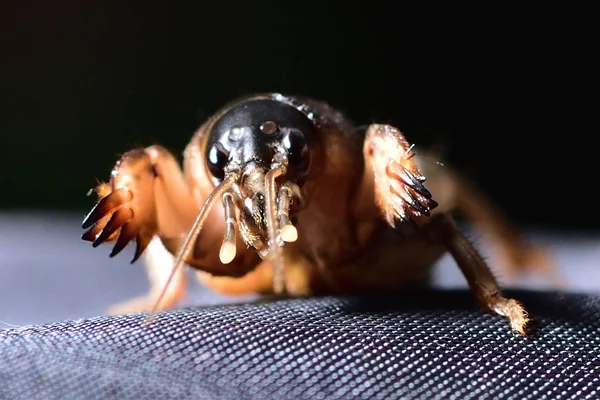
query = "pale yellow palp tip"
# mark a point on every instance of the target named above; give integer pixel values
(289, 233)
(227, 252)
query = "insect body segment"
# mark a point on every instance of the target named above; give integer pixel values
(310, 195)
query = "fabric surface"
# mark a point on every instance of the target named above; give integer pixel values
(428, 345)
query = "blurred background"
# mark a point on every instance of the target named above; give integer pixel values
(503, 90)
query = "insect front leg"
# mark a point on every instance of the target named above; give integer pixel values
(400, 194)
(482, 282)
(147, 197)
(392, 191)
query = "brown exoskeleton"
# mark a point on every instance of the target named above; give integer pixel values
(313, 198)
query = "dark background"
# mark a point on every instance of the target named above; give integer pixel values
(506, 90)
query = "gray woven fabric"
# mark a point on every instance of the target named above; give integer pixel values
(424, 346)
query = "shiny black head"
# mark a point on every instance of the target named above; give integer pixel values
(249, 134)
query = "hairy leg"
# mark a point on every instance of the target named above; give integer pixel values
(482, 282)
(514, 253)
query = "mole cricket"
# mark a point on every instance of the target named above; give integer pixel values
(313, 197)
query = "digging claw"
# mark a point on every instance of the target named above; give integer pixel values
(405, 219)
(106, 205)
(117, 220)
(141, 243)
(111, 219)
(410, 197)
(127, 234)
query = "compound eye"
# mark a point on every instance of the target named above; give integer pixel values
(297, 148)
(217, 160)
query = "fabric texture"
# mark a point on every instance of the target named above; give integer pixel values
(428, 345)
